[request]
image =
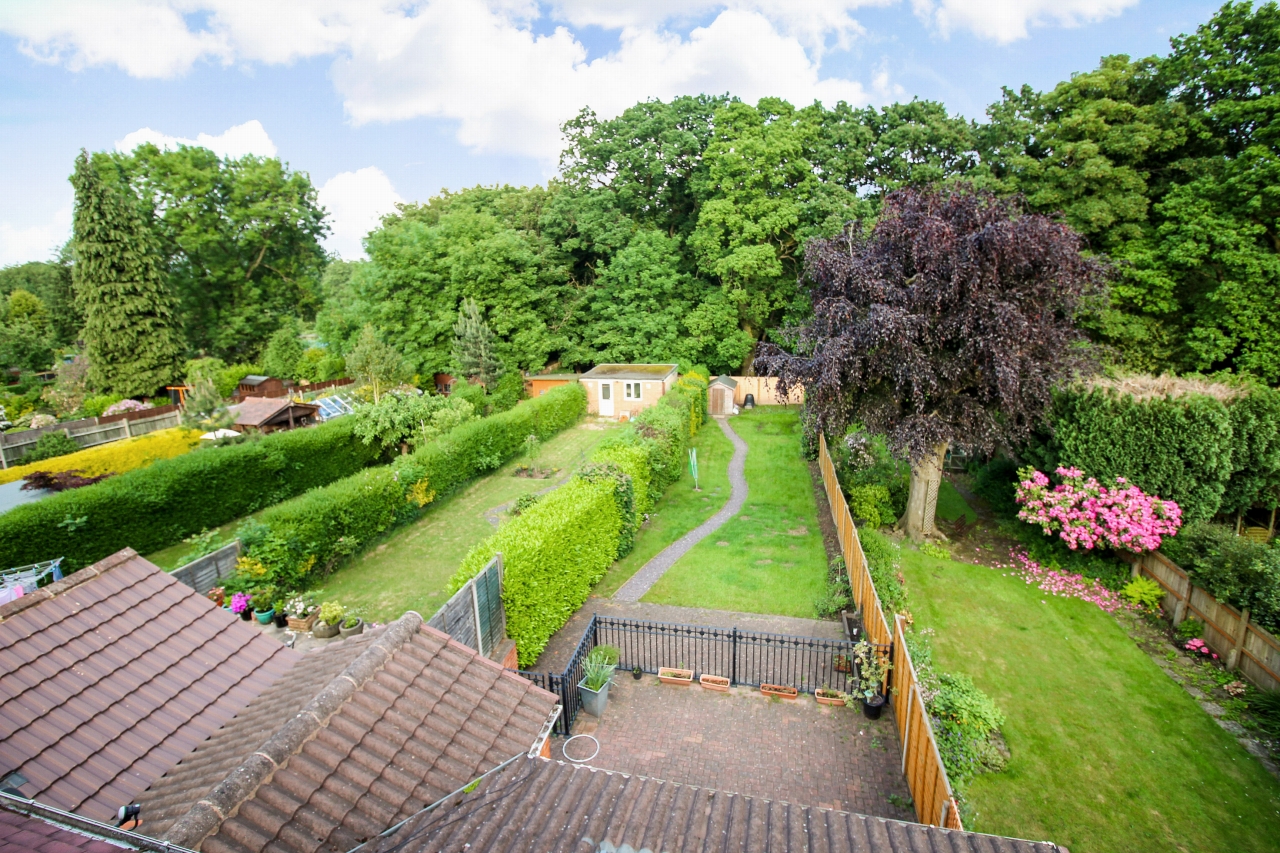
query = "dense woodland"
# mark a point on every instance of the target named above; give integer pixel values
(677, 231)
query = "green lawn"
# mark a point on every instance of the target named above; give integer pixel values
(681, 509)
(173, 557)
(769, 558)
(411, 567)
(1108, 753)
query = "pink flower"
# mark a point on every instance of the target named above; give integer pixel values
(1086, 514)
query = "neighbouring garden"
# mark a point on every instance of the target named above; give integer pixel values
(1106, 752)
(769, 558)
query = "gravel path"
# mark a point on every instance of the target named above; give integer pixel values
(640, 583)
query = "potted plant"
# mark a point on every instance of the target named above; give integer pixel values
(597, 675)
(282, 616)
(718, 683)
(637, 672)
(263, 609)
(331, 613)
(779, 690)
(872, 668)
(673, 675)
(827, 696)
(240, 605)
(302, 613)
(217, 595)
(351, 625)
(842, 663)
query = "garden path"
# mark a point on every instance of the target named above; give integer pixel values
(640, 583)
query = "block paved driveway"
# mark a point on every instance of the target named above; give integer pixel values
(795, 751)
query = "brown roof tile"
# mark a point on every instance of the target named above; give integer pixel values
(113, 674)
(551, 806)
(325, 763)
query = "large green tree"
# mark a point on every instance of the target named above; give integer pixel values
(131, 336)
(239, 239)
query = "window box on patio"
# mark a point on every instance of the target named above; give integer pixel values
(671, 675)
(718, 683)
(779, 690)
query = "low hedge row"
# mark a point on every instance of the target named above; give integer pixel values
(154, 507)
(292, 543)
(555, 551)
(117, 457)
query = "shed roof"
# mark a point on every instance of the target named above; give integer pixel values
(261, 411)
(631, 371)
(539, 804)
(727, 381)
(563, 377)
(413, 717)
(254, 379)
(115, 673)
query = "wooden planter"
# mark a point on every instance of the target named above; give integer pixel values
(779, 690)
(670, 675)
(718, 683)
(296, 624)
(828, 697)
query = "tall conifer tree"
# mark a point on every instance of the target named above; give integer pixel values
(475, 348)
(130, 336)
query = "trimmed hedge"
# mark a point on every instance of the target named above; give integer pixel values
(558, 549)
(117, 457)
(553, 554)
(302, 538)
(1207, 455)
(154, 507)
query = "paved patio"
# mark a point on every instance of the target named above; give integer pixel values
(795, 751)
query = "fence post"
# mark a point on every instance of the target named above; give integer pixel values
(475, 612)
(1233, 656)
(733, 674)
(127, 433)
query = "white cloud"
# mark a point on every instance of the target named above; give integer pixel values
(20, 244)
(355, 202)
(1005, 21)
(232, 144)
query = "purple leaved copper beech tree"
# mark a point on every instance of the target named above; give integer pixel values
(947, 323)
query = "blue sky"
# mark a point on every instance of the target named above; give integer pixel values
(395, 100)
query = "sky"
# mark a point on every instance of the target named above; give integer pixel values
(384, 101)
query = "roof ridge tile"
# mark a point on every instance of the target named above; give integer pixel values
(224, 800)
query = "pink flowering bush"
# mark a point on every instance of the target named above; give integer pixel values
(1066, 584)
(126, 406)
(1088, 514)
(240, 602)
(1199, 647)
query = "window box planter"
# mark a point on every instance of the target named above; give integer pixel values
(323, 630)
(828, 697)
(872, 707)
(264, 617)
(296, 624)
(593, 701)
(718, 683)
(357, 628)
(779, 690)
(671, 675)
(842, 663)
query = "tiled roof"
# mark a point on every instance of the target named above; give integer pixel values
(115, 673)
(31, 827)
(414, 717)
(177, 791)
(550, 806)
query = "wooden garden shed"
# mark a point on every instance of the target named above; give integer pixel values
(539, 384)
(720, 395)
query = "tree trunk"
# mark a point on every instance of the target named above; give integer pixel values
(922, 502)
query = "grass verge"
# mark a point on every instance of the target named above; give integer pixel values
(1107, 752)
(769, 558)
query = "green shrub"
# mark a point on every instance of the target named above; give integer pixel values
(552, 556)
(863, 462)
(867, 502)
(965, 719)
(154, 507)
(331, 613)
(883, 555)
(996, 483)
(50, 446)
(1234, 569)
(1052, 552)
(1143, 592)
(1265, 707)
(1189, 629)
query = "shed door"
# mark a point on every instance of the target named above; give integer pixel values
(717, 400)
(606, 399)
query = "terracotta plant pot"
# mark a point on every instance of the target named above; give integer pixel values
(358, 628)
(842, 663)
(718, 683)
(323, 630)
(217, 595)
(779, 690)
(828, 697)
(296, 624)
(671, 675)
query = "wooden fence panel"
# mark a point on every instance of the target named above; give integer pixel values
(765, 391)
(1259, 658)
(921, 763)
